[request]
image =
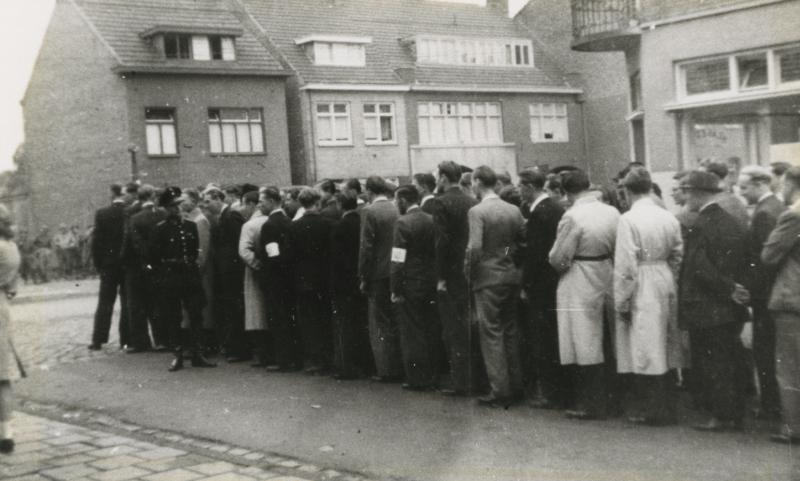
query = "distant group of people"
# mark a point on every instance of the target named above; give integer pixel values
(50, 256)
(575, 297)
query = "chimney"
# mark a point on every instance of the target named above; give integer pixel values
(499, 5)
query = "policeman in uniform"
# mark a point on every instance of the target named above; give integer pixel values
(174, 252)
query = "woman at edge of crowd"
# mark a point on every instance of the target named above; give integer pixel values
(10, 369)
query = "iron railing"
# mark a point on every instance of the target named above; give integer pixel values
(593, 17)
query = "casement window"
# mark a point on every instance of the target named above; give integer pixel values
(333, 123)
(235, 131)
(379, 123)
(549, 122)
(160, 131)
(474, 51)
(199, 47)
(454, 123)
(764, 70)
(339, 54)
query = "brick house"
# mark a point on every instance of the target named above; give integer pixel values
(180, 82)
(393, 87)
(707, 80)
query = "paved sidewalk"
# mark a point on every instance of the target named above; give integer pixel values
(52, 450)
(57, 290)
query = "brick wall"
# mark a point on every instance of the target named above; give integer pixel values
(191, 97)
(75, 124)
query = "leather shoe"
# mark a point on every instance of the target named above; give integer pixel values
(176, 365)
(495, 402)
(135, 350)
(386, 379)
(582, 415)
(95, 346)
(6, 446)
(542, 403)
(715, 425)
(784, 438)
(446, 391)
(237, 358)
(412, 387)
(200, 361)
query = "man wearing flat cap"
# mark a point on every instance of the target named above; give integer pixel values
(174, 250)
(712, 302)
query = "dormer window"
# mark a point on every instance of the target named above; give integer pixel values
(199, 47)
(470, 51)
(335, 50)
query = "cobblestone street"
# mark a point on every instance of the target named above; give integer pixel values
(106, 416)
(52, 450)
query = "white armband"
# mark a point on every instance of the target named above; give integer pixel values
(273, 250)
(398, 255)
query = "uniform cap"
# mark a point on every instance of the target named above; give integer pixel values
(170, 196)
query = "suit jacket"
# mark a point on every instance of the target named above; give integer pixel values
(413, 254)
(310, 248)
(428, 206)
(495, 227)
(331, 210)
(714, 261)
(345, 239)
(377, 236)
(538, 276)
(782, 250)
(108, 236)
(452, 233)
(275, 268)
(761, 276)
(140, 234)
(226, 244)
(734, 206)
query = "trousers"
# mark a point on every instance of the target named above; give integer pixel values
(718, 363)
(787, 366)
(496, 309)
(383, 333)
(313, 318)
(764, 355)
(416, 317)
(112, 282)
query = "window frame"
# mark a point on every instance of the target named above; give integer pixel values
(541, 116)
(332, 115)
(474, 51)
(773, 69)
(331, 46)
(458, 117)
(147, 122)
(190, 39)
(249, 122)
(376, 118)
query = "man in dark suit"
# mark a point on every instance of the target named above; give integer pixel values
(138, 275)
(452, 234)
(413, 285)
(711, 302)
(229, 269)
(107, 238)
(273, 252)
(494, 233)
(539, 284)
(173, 250)
(782, 250)
(754, 186)
(374, 265)
(352, 354)
(426, 186)
(310, 244)
(329, 208)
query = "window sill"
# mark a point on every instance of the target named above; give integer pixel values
(381, 144)
(237, 154)
(164, 156)
(540, 141)
(348, 144)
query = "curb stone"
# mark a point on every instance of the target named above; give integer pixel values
(278, 464)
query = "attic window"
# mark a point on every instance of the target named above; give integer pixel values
(335, 50)
(474, 51)
(199, 47)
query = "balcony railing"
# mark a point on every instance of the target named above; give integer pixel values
(591, 18)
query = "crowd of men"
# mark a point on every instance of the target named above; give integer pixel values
(588, 300)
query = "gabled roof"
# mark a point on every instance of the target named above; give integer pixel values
(390, 24)
(125, 25)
